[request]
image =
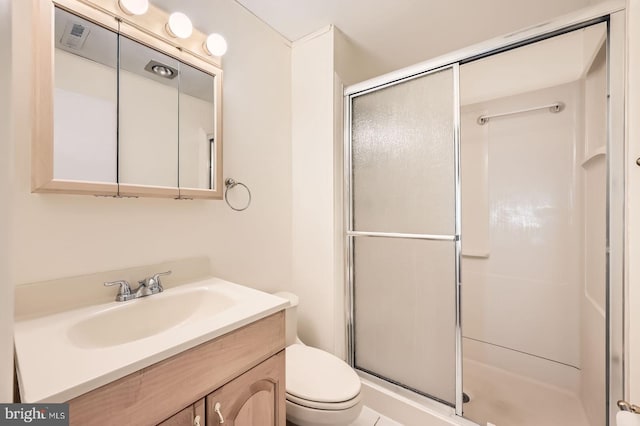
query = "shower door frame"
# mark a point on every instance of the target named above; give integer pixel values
(351, 233)
(614, 17)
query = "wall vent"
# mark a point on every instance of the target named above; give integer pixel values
(74, 36)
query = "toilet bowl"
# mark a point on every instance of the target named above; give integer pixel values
(321, 388)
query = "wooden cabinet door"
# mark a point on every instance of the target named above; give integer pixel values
(256, 398)
(193, 415)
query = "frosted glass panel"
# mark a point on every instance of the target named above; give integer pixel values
(405, 312)
(403, 157)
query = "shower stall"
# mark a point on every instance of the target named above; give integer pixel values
(484, 199)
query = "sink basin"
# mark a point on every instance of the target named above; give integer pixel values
(64, 355)
(144, 317)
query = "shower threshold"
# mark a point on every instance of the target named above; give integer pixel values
(405, 406)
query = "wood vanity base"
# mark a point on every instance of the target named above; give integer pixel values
(172, 390)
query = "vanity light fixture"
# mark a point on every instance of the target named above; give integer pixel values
(215, 45)
(179, 25)
(134, 7)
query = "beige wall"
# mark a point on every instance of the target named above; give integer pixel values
(322, 63)
(60, 235)
(633, 199)
(312, 165)
(352, 63)
(6, 168)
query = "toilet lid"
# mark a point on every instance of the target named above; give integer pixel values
(316, 375)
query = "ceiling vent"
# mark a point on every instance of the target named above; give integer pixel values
(74, 36)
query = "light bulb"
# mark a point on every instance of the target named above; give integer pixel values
(215, 45)
(179, 25)
(162, 71)
(134, 7)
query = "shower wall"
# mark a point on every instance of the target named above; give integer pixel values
(522, 235)
(593, 295)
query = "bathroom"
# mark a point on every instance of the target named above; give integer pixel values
(276, 141)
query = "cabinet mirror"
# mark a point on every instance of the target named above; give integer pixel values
(197, 154)
(148, 116)
(85, 100)
(130, 114)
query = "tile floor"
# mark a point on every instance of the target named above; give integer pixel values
(368, 417)
(506, 399)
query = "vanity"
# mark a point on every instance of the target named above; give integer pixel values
(205, 352)
(237, 379)
(125, 107)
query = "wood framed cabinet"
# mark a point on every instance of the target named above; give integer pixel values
(243, 371)
(193, 415)
(253, 399)
(129, 111)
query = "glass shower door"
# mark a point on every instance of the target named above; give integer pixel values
(403, 234)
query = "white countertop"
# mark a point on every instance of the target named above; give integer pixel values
(53, 367)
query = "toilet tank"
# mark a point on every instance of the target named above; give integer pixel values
(291, 316)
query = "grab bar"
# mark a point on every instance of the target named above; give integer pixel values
(554, 108)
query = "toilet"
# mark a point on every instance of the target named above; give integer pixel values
(321, 388)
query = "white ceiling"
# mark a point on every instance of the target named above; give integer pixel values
(398, 33)
(548, 63)
(390, 34)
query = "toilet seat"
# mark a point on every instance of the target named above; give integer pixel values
(324, 406)
(320, 380)
(305, 416)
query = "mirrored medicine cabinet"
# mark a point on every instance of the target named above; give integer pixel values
(120, 111)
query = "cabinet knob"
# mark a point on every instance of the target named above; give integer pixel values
(196, 421)
(638, 161)
(216, 408)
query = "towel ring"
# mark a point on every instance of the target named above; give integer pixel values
(230, 183)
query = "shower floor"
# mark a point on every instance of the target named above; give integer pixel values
(506, 399)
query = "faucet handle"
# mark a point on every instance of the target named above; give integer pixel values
(156, 277)
(153, 282)
(123, 292)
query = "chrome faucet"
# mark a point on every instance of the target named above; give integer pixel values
(124, 292)
(148, 286)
